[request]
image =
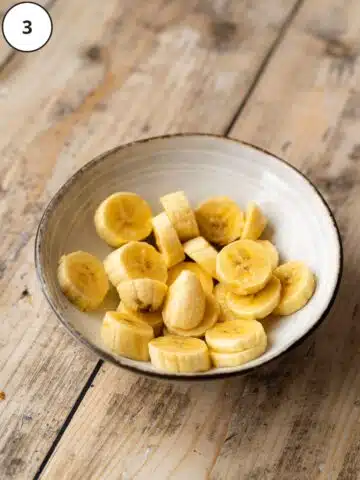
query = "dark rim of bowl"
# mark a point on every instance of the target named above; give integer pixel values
(163, 375)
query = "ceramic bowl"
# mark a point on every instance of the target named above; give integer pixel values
(301, 225)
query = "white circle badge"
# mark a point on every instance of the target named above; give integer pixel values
(27, 26)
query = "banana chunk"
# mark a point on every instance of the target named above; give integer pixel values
(225, 314)
(135, 260)
(205, 279)
(255, 222)
(83, 280)
(126, 336)
(235, 336)
(154, 319)
(244, 267)
(271, 251)
(181, 215)
(200, 250)
(179, 355)
(211, 316)
(223, 359)
(167, 240)
(185, 303)
(143, 294)
(298, 285)
(123, 217)
(220, 220)
(258, 305)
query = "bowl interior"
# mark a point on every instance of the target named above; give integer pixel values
(203, 166)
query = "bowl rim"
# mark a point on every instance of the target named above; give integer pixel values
(164, 375)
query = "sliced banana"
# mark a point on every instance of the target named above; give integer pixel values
(135, 260)
(272, 252)
(205, 279)
(255, 222)
(220, 220)
(185, 302)
(225, 314)
(298, 285)
(223, 359)
(211, 316)
(142, 294)
(181, 215)
(200, 250)
(123, 217)
(235, 336)
(167, 240)
(244, 266)
(126, 336)
(258, 305)
(154, 319)
(179, 355)
(83, 280)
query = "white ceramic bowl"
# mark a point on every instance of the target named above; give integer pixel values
(302, 225)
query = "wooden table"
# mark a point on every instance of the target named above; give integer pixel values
(283, 74)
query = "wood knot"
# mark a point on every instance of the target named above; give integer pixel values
(338, 49)
(93, 54)
(222, 33)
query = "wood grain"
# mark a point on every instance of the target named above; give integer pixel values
(299, 418)
(81, 94)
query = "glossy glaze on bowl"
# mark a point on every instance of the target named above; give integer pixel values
(302, 225)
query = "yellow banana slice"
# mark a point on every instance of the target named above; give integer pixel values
(298, 285)
(210, 318)
(200, 250)
(220, 220)
(235, 336)
(126, 336)
(143, 294)
(181, 215)
(154, 319)
(272, 252)
(179, 355)
(123, 217)
(255, 223)
(223, 359)
(135, 260)
(205, 279)
(185, 303)
(244, 266)
(167, 240)
(225, 314)
(83, 280)
(258, 305)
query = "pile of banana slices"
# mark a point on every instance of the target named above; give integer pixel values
(170, 312)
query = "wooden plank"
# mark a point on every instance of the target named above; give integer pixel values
(82, 94)
(299, 418)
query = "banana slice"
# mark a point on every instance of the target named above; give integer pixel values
(205, 279)
(258, 305)
(167, 240)
(243, 266)
(185, 303)
(123, 217)
(298, 285)
(220, 220)
(255, 223)
(83, 280)
(181, 215)
(179, 355)
(235, 336)
(154, 319)
(272, 252)
(126, 336)
(143, 294)
(135, 260)
(200, 250)
(221, 359)
(210, 318)
(225, 314)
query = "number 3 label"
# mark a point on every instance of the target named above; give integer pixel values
(27, 26)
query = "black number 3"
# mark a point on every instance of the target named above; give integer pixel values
(27, 28)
